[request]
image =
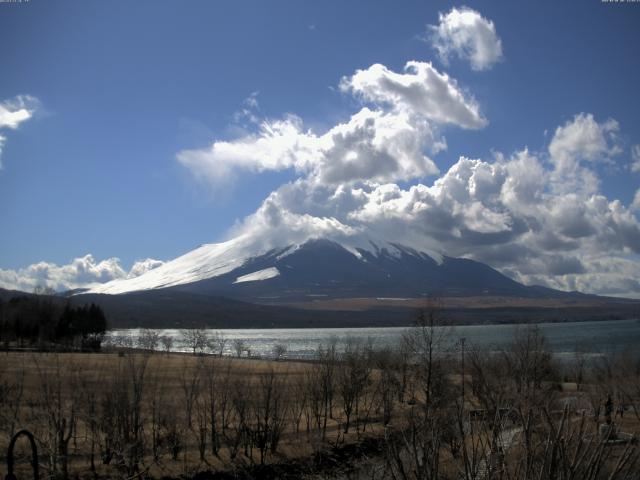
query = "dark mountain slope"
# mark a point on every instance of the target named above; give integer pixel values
(324, 269)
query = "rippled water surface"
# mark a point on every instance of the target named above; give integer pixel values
(563, 338)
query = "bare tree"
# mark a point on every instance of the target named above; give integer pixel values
(279, 351)
(195, 339)
(428, 341)
(579, 363)
(268, 414)
(352, 374)
(237, 433)
(216, 343)
(173, 433)
(122, 416)
(123, 342)
(414, 450)
(322, 384)
(202, 424)
(58, 409)
(627, 382)
(135, 369)
(190, 385)
(316, 395)
(299, 404)
(529, 360)
(158, 403)
(148, 339)
(388, 382)
(88, 413)
(167, 343)
(214, 401)
(11, 398)
(240, 346)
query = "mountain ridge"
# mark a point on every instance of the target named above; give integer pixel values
(321, 268)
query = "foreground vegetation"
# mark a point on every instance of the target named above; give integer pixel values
(431, 410)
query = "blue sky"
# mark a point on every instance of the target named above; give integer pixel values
(118, 89)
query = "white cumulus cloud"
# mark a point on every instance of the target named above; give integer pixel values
(14, 112)
(277, 145)
(635, 205)
(420, 90)
(392, 139)
(143, 266)
(79, 273)
(540, 219)
(371, 145)
(584, 139)
(635, 159)
(464, 33)
(503, 212)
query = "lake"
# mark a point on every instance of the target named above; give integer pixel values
(601, 337)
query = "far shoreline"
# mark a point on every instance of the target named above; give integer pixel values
(565, 338)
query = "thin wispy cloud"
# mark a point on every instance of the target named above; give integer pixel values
(249, 112)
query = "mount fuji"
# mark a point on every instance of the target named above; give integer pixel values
(331, 281)
(322, 268)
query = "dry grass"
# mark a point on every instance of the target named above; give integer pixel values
(165, 380)
(85, 389)
(488, 302)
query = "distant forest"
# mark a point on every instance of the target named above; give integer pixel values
(44, 321)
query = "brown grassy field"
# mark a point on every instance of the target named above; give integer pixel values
(174, 399)
(478, 302)
(134, 414)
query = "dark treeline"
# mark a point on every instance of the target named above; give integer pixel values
(169, 308)
(45, 321)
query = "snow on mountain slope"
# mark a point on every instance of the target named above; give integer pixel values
(206, 261)
(213, 260)
(265, 274)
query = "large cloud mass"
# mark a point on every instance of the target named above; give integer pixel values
(391, 139)
(539, 218)
(505, 213)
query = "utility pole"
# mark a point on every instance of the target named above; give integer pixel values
(462, 341)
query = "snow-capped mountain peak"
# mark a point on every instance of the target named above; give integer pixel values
(210, 261)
